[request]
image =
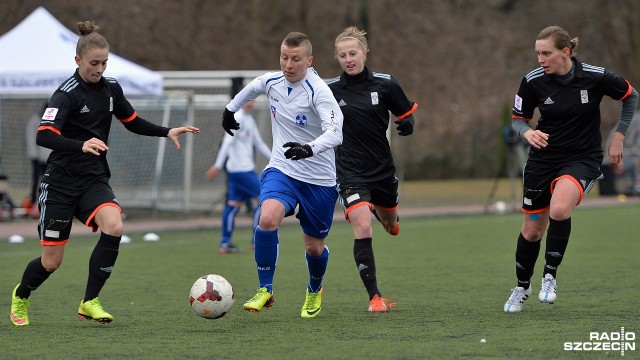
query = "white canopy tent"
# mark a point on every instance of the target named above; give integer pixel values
(37, 56)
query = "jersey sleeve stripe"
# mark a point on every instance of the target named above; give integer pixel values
(413, 108)
(42, 128)
(334, 80)
(629, 90)
(69, 85)
(591, 68)
(520, 117)
(313, 93)
(534, 74)
(130, 118)
(381, 75)
(273, 79)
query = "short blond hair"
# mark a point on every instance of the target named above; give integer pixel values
(298, 39)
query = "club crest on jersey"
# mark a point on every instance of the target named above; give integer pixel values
(273, 111)
(301, 120)
(374, 98)
(111, 104)
(584, 96)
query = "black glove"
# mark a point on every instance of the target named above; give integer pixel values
(405, 126)
(229, 122)
(297, 151)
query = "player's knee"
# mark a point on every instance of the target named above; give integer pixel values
(113, 227)
(51, 264)
(362, 229)
(532, 233)
(314, 249)
(560, 211)
(268, 222)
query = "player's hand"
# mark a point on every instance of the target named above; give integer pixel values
(297, 151)
(405, 126)
(94, 146)
(212, 172)
(616, 149)
(536, 138)
(174, 133)
(229, 122)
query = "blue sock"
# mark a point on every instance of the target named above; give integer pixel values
(266, 256)
(256, 221)
(317, 266)
(256, 217)
(228, 224)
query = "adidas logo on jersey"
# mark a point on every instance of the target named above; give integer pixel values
(342, 103)
(548, 101)
(84, 109)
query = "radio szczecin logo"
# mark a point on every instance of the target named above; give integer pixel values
(605, 341)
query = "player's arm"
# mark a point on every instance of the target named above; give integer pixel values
(522, 113)
(223, 154)
(140, 126)
(629, 105)
(332, 119)
(250, 92)
(399, 104)
(53, 119)
(616, 146)
(51, 138)
(331, 116)
(260, 145)
(405, 122)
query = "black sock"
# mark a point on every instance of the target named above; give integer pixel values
(526, 256)
(34, 275)
(101, 263)
(366, 263)
(557, 241)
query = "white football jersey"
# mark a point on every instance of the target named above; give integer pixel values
(305, 112)
(238, 150)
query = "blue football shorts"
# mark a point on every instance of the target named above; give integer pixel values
(315, 203)
(243, 185)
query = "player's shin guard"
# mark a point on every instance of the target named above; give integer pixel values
(266, 256)
(366, 263)
(34, 275)
(557, 241)
(101, 263)
(317, 266)
(526, 255)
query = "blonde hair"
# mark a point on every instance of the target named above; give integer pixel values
(560, 38)
(353, 33)
(89, 38)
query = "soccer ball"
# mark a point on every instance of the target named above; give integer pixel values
(211, 296)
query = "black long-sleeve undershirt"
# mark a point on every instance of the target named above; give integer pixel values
(140, 126)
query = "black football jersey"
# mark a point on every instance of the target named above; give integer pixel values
(366, 100)
(569, 113)
(81, 111)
